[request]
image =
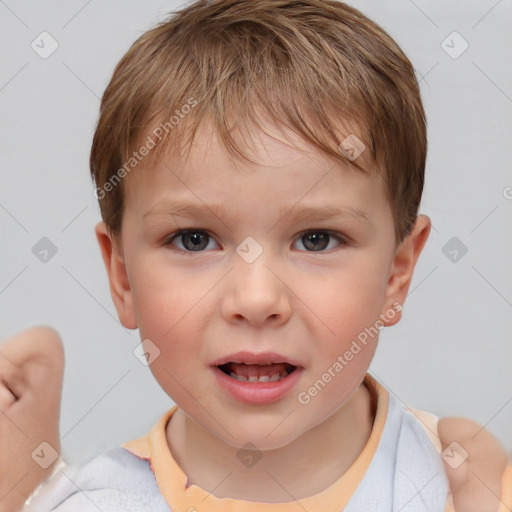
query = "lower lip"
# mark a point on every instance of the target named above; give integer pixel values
(258, 392)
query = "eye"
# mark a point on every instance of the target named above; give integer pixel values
(192, 240)
(317, 241)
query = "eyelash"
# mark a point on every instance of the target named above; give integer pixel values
(343, 241)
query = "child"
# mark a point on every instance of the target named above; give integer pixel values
(259, 168)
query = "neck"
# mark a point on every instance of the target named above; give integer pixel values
(284, 474)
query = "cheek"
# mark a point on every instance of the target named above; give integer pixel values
(347, 304)
(172, 311)
(163, 299)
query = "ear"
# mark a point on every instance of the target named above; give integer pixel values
(118, 278)
(402, 268)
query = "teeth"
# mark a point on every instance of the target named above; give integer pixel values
(238, 377)
(254, 379)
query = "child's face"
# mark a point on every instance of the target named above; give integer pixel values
(307, 306)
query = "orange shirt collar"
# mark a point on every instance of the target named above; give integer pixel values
(172, 480)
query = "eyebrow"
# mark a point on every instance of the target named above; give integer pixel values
(286, 213)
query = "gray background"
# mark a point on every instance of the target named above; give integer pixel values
(451, 354)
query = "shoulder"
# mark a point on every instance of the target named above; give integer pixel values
(116, 481)
(474, 461)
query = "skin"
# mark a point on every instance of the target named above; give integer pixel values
(195, 312)
(476, 484)
(306, 305)
(31, 370)
(36, 355)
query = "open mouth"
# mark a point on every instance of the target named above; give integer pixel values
(255, 373)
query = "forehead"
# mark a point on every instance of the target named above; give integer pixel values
(284, 180)
(268, 149)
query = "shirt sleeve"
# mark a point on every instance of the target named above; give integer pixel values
(116, 481)
(46, 484)
(54, 490)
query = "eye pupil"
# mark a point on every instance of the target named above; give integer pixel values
(316, 241)
(195, 239)
(198, 241)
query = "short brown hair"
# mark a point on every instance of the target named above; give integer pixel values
(307, 65)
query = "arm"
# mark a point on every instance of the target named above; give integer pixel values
(31, 371)
(476, 484)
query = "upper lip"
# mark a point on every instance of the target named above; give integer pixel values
(255, 358)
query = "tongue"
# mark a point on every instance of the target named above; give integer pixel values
(255, 370)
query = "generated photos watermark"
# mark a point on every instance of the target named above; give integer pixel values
(145, 149)
(343, 360)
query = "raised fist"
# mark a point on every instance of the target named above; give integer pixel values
(31, 373)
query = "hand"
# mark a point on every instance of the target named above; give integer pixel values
(476, 483)
(31, 373)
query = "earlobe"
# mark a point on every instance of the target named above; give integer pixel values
(120, 288)
(402, 268)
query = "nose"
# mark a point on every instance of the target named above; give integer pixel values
(255, 295)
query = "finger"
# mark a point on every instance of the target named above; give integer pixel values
(7, 397)
(35, 343)
(12, 380)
